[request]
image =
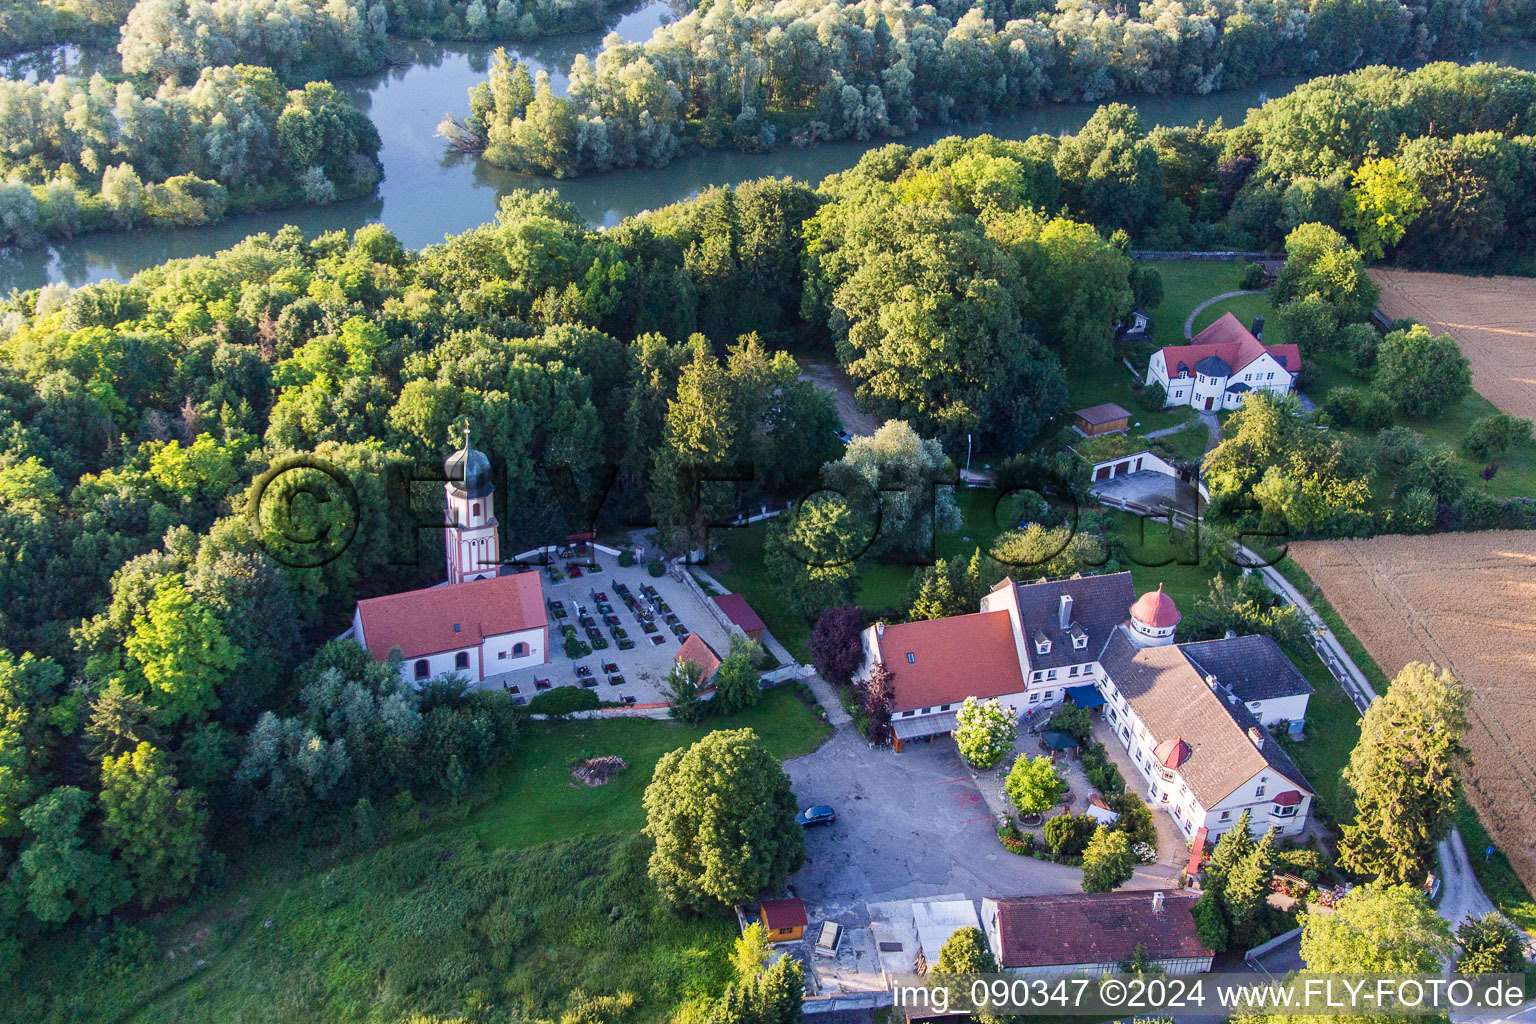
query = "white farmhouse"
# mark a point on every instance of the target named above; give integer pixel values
(1195, 718)
(1222, 366)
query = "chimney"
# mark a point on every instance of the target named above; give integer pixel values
(1065, 619)
(1157, 902)
(1212, 682)
(879, 629)
(1231, 634)
(1258, 327)
(1257, 736)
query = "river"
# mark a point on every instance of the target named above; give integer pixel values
(429, 192)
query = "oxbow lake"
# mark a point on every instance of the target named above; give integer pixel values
(429, 191)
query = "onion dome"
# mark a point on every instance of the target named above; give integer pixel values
(1156, 610)
(1172, 752)
(468, 472)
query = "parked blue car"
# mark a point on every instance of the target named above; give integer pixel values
(820, 815)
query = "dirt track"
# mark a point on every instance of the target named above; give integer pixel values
(1493, 319)
(1466, 601)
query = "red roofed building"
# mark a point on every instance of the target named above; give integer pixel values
(741, 614)
(1094, 932)
(475, 629)
(1222, 366)
(784, 920)
(698, 651)
(935, 664)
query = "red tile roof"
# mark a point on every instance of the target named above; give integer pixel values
(944, 661)
(1289, 798)
(739, 612)
(1228, 340)
(1172, 752)
(788, 913)
(452, 617)
(697, 650)
(1096, 928)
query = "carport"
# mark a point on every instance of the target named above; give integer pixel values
(917, 728)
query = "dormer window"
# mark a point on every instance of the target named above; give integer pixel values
(1080, 642)
(1042, 645)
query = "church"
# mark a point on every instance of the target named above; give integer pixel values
(488, 618)
(1197, 719)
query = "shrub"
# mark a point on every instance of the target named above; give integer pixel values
(1253, 277)
(563, 700)
(1136, 822)
(1067, 835)
(656, 568)
(626, 558)
(1359, 407)
(1490, 436)
(1101, 771)
(1074, 721)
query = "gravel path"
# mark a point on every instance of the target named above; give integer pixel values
(1189, 321)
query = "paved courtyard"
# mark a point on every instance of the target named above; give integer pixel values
(1152, 490)
(645, 666)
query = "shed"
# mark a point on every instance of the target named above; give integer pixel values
(741, 614)
(784, 920)
(1108, 418)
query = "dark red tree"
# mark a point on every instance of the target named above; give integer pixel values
(836, 647)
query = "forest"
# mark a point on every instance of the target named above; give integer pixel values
(748, 74)
(167, 690)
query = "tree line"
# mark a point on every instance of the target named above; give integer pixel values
(301, 40)
(85, 155)
(745, 74)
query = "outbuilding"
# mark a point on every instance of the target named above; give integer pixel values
(1108, 418)
(741, 614)
(784, 920)
(1094, 932)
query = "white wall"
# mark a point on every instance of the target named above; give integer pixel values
(441, 664)
(1280, 709)
(494, 647)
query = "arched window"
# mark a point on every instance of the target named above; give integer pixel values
(461, 660)
(519, 650)
(474, 509)
(423, 669)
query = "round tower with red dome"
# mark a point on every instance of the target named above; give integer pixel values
(1154, 617)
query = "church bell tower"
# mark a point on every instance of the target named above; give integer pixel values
(473, 549)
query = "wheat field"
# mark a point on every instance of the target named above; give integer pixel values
(1467, 602)
(1493, 320)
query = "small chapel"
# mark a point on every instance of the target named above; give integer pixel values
(486, 618)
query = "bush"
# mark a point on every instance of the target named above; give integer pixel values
(1067, 835)
(836, 643)
(563, 700)
(1153, 397)
(1253, 277)
(1101, 771)
(985, 731)
(1074, 721)
(626, 558)
(656, 568)
(1136, 821)
(1359, 407)
(1491, 436)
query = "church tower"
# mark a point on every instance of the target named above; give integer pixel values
(474, 551)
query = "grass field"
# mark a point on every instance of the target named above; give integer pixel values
(539, 895)
(1186, 284)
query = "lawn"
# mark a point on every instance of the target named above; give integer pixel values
(536, 801)
(1186, 284)
(539, 896)
(1333, 727)
(1090, 386)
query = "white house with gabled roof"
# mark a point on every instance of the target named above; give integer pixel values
(1222, 366)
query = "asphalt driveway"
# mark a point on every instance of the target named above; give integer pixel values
(909, 825)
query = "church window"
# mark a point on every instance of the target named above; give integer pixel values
(519, 650)
(461, 660)
(423, 669)
(474, 509)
